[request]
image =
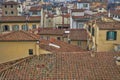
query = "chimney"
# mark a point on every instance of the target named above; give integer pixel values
(109, 13)
(92, 54)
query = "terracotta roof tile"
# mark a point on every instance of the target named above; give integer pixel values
(51, 31)
(78, 34)
(83, 1)
(78, 10)
(35, 8)
(64, 47)
(19, 36)
(10, 2)
(108, 25)
(115, 12)
(19, 18)
(65, 66)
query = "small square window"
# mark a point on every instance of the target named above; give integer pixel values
(58, 38)
(11, 6)
(6, 12)
(111, 35)
(34, 26)
(69, 41)
(79, 43)
(12, 12)
(30, 51)
(5, 6)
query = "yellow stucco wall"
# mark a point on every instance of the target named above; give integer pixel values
(51, 36)
(83, 44)
(106, 45)
(42, 51)
(15, 50)
(20, 24)
(58, 20)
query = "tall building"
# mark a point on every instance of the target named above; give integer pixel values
(11, 8)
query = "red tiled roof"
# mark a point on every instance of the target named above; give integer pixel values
(78, 10)
(51, 31)
(1, 34)
(19, 36)
(64, 47)
(115, 12)
(19, 18)
(75, 34)
(108, 25)
(81, 17)
(10, 2)
(65, 66)
(66, 15)
(78, 34)
(83, 1)
(35, 8)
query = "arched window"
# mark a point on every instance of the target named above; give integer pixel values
(6, 28)
(24, 27)
(15, 27)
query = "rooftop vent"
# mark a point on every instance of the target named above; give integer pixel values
(67, 32)
(54, 45)
(118, 60)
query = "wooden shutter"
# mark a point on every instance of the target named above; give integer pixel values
(107, 36)
(115, 35)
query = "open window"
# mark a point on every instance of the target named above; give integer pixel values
(6, 28)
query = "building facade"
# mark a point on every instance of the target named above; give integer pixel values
(12, 8)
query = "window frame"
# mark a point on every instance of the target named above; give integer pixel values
(30, 51)
(11, 6)
(110, 37)
(25, 27)
(15, 27)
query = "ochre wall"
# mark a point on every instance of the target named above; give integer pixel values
(83, 44)
(42, 51)
(20, 25)
(15, 50)
(51, 36)
(106, 45)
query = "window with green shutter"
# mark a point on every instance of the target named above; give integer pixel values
(111, 35)
(25, 27)
(15, 27)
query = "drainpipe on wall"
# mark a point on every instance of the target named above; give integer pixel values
(37, 48)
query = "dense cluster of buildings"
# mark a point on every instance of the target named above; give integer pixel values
(79, 37)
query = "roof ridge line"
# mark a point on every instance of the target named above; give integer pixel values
(30, 34)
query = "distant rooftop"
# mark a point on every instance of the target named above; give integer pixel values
(19, 36)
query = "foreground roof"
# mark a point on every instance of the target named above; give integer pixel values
(65, 66)
(19, 36)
